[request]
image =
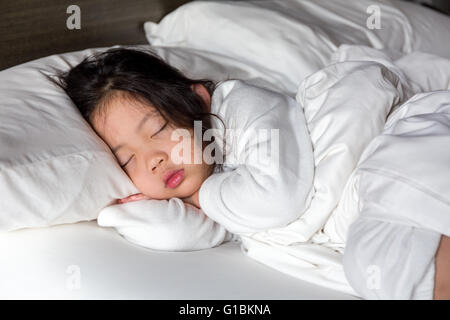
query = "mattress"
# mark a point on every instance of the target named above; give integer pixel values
(83, 261)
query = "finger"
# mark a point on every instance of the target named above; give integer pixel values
(128, 199)
(133, 196)
(139, 196)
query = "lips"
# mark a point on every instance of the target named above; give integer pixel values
(174, 178)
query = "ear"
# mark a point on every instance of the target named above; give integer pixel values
(203, 93)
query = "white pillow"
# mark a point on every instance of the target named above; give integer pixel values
(287, 39)
(273, 41)
(54, 169)
(429, 29)
(196, 63)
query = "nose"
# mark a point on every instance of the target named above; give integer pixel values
(155, 162)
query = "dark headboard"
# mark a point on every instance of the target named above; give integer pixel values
(30, 29)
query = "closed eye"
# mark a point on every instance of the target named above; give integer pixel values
(162, 128)
(123, 166)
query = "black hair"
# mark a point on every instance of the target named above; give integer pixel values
(141, 75)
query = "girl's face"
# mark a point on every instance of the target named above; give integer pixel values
(141, 140)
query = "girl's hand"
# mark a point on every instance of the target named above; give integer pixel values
(133, 197)
(193, 199)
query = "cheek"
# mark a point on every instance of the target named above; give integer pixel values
(147, 184)
(184, 152)
(191, 162)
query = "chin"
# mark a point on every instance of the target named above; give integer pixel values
(183, 194)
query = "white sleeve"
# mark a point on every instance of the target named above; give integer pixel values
(259, 192)
(169, 225)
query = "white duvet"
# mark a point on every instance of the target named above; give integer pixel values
(347, 105)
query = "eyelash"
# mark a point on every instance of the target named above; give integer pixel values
(162, 128)
(123, 166)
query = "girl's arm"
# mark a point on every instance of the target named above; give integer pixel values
(442, 274)
(268, 171)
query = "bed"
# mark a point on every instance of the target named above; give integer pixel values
(72, 257)
(83, 261)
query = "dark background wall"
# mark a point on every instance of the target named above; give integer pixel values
(31, 29)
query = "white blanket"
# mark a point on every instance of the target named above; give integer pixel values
(346, 106)
(404, 203)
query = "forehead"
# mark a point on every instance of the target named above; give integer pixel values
(120, 115)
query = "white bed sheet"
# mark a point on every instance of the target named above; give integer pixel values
(45, 263)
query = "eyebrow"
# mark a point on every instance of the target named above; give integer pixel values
(138, 129)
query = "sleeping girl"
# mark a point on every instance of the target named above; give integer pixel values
(217, 160)
(146, 110)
